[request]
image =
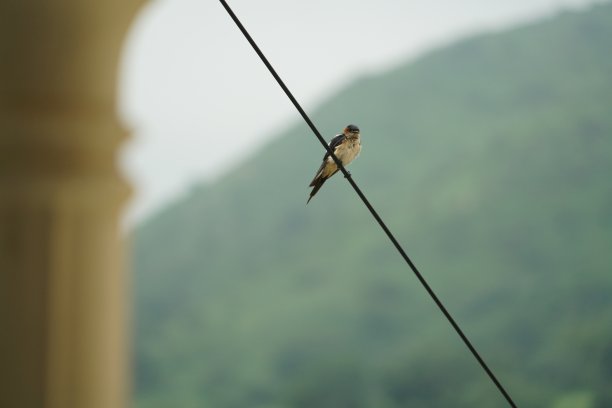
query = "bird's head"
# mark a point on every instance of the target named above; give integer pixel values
(351, 131)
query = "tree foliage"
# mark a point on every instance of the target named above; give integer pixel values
(490, 160)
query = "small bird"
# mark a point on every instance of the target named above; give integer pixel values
(346, 146)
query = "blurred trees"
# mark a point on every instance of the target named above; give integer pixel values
(490, 160)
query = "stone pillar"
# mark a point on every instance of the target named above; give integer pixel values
(63, 287)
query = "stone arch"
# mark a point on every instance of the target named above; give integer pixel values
(63, 287)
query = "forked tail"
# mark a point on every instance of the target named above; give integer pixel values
(317, 183)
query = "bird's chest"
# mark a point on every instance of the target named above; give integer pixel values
(348, 150)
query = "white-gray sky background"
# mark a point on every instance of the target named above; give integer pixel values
(198, 99)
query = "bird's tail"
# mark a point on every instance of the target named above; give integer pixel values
(317, 183)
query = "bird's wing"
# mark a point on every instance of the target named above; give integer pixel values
(335, 142)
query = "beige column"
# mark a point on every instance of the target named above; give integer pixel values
(63, 286)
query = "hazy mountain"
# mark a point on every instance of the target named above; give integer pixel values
(491, 160)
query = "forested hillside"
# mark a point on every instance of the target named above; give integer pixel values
(491, 161)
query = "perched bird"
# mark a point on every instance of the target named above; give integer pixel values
(346, 146)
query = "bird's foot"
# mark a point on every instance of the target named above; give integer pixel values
(348, 174)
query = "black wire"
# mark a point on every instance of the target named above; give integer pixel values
(347, 175)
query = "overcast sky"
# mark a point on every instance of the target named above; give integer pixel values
(198, 99)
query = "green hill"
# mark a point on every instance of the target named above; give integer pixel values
(491, 161)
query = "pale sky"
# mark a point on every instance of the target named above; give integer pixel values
(198, 99)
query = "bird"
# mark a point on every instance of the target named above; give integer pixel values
(346, 146)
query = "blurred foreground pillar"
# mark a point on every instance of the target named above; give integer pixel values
(63, 341)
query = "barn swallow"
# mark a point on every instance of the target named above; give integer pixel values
(346, 146)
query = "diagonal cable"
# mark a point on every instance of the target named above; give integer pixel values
(347, 175)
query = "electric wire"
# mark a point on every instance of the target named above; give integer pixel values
(382, 224)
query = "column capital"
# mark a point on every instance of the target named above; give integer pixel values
(58, 79)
